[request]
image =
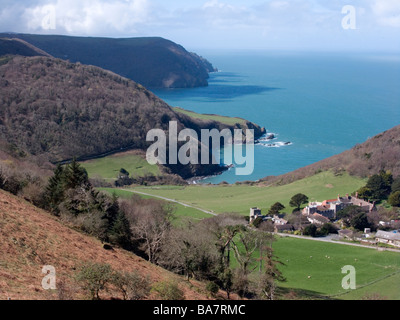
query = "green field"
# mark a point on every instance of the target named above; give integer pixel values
(376, 272)
(226, 120)
(109, 167)
(181, 213)
(240, 198)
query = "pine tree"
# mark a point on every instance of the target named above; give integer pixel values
(75, 175)
(120, 232)
(54, 193)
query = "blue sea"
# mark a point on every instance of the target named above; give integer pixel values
(322, 103)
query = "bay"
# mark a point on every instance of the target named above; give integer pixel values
(323, 103)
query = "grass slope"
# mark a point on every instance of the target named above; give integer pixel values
(240, 198)
(213, 117)
(182, 212)
(376, 271)
(109, 167)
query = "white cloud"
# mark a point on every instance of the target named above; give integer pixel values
(90, 17)
(387, 12)
(211, 23)
(279, 4)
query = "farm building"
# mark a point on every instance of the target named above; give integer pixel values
(391, 238)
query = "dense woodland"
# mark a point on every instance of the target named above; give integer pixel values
(60, 110)
(50, 106)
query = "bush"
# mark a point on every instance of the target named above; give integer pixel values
(394, 199)
(212, 288)
(95, 277)
(169, 291)
(310, 230)
(328, 228)
(131, 285)
(34, 193)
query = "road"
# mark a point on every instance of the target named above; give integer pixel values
(172, 200)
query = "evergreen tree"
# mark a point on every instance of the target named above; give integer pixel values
(120, 232)
(380, 185)
(54, 193)
(75, 175)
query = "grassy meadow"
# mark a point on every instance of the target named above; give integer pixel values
(108, 167)
(376, 271)
(240, 198)
(213, 117)
(182, 212)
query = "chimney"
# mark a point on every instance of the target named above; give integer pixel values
(357, 195)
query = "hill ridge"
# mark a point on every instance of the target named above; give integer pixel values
(154, 62)
(62, 110)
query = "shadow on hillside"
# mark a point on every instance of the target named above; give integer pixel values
(300, 294)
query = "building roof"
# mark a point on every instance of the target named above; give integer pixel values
(324, 208)
(284, 227)
(388, 235)
(346, 233)
(332, 201)
(320, 218)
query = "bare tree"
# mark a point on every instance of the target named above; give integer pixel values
(150, 222)
(190, 250)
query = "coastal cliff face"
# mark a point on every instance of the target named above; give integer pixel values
(152, 62)
(57, 110)
(190, 171)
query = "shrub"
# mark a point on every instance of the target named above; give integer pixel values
(310, 230)
(169, 291)
(131, 285)
(95, 277)
(212, 288)
(394, 199)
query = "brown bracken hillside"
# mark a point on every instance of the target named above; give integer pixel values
(31, 238)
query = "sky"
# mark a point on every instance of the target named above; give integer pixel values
(300, 25)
